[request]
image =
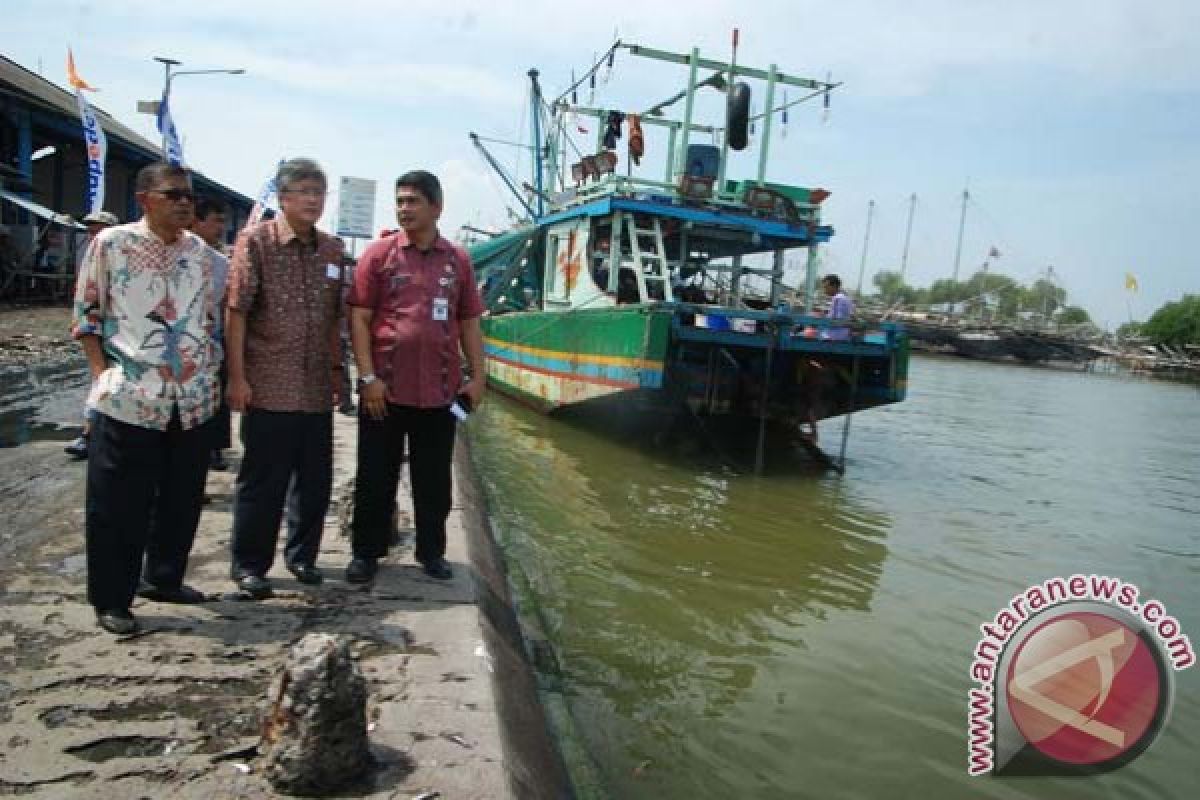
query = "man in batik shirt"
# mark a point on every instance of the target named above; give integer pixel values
(144, 311)
(285, 300)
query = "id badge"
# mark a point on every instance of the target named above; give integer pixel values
(441, 309)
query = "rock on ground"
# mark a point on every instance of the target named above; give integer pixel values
(315, 731)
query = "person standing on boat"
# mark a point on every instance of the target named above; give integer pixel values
(144, 311)
(840, 307)
(413, 305)
(285, 299)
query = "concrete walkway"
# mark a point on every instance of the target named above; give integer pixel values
(174, 711)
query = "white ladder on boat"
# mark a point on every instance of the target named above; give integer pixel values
(649, 266)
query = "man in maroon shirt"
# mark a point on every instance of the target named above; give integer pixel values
(285, 299)
(413, 305)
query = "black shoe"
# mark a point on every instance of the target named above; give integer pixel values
(117, 620)
(77, 449)
(438, 568)
(361, 570)
(217, 461)
(182, 595)
(256, 586)
(306, 573)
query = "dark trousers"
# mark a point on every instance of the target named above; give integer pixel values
(430, 436)
(145, 489)
(222, 424)
(282, 449)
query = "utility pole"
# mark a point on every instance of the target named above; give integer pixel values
(862, 264)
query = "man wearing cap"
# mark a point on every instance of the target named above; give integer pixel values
(95, 222)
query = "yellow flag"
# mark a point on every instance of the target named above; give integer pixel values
(73, 76)
(1131, 283)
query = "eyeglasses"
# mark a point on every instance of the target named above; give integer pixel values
(305, 192)
(176, 195)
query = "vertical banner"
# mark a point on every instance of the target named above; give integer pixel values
(172, 149)
(94, 140)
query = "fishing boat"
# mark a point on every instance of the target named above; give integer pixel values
(666, 293)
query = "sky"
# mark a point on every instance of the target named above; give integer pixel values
(1074, 125)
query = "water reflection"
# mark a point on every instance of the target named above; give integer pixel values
(666, 584)
(41, 402)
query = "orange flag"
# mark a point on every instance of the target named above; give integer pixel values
(73, 76)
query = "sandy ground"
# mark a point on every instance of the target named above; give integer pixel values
(174, 711)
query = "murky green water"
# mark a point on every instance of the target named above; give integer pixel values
(719, 635)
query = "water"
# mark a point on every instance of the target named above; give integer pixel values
(711, 634)
(42, 402)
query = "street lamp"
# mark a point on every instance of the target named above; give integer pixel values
(168, 63)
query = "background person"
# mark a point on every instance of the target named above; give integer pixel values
(95, 222)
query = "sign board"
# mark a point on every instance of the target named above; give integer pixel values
(356, 208)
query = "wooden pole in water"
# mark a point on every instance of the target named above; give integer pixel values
(759, 454)
(841, 462)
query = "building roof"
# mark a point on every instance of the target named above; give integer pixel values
(17, 81)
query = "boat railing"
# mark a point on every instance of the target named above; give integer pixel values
(792, 330)
(629, 186)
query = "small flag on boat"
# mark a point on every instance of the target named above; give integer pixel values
(1131, 283)
(784, 116)
(993, 253)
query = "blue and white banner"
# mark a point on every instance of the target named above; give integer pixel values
(97, 149)
(268, 198)
(172, 148)
(94, 140)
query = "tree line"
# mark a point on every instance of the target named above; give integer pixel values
(991, 293)
(1175, 323)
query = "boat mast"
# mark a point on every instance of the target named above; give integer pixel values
(862, 264)
(912, 209)
(962, 223)
(536, 100)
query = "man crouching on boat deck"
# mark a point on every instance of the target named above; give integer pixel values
(413, 304)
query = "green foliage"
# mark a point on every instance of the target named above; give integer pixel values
(1175, 323)
(989, 294)
(1074, 315)
(1129, 330)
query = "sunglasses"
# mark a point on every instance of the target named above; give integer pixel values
(176, 195)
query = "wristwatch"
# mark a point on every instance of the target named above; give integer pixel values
(366, 380)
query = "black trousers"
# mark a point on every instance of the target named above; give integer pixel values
(145, 489)
(282, 449)
(430, 436)
(222, 424)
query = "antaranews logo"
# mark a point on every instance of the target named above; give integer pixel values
(1075, 676)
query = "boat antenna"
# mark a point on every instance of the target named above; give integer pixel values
(495, 165)
(590, 76)
(536, 99)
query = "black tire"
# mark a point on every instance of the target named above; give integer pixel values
(737, 116)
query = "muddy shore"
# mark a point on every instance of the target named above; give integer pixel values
(174, 710)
